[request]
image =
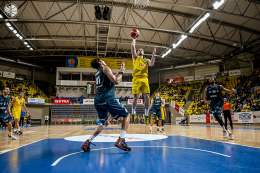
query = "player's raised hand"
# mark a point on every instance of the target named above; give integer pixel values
(234, 91)
(123, 65)
(154, 51)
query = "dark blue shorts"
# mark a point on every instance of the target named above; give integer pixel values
(5, 118)
(217, 109)
(113, 107)
(157, 113)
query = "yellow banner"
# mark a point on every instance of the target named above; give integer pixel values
(113, 63)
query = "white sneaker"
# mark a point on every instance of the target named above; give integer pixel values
(231, 136)
(13, 137)
(150, 131)
(225, 134)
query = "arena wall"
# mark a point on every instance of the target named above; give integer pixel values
(38, 111)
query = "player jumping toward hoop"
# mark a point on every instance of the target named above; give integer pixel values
(157, 104)
(213, 96)
(105, 102)
(140, 78)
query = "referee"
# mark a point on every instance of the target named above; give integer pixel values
(227, 113)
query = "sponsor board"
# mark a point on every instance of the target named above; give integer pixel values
(61, 101)
(181, 111)
(207, 118)
(199, 77)
(8, 74)
(128, 84)
(114, 137)
(234, 118)
(189, 78)
(245, 117)
(201, 118)
(194, 118)
(173, 104)
(179, 79)
(178, 119)
(177, 107)
(256, 116)
(20, 76)
(234, 73)
(36, 121)
(207, 76)
(139, 101)
(169, 81)
(36, 101)
(69, 83)
(88, 101)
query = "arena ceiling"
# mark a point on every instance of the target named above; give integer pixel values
(59, 28)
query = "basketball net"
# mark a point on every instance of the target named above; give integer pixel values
(141, 3)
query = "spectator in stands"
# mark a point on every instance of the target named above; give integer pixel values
(82, 97)
(199, 104)
(76, 100)
(57, 97)
(72, 100)
(20, 89)
(126, 97)
(121, 97)
(184, 100)
(226, 79)
(238, 110)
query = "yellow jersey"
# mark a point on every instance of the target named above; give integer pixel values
(140, 67)
(17, 106)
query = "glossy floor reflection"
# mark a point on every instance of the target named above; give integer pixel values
(172, 154)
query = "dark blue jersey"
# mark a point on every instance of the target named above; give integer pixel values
(214, 94)
(105, 88)
(157, 103)
(4, 102)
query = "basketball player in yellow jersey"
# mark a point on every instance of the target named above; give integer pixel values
(18, 103)
(140, 78)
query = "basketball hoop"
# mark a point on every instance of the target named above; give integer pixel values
(141, 3)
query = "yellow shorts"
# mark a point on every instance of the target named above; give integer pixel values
(162, 112)
(140, 85)
(17, 115)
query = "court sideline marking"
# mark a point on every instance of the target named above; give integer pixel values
(5, 151)
(58, 160)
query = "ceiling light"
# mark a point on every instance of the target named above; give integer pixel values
(15, 31)
(1, 16)
(11, 28)
(179, 41)
(206, 15)
(25, 43)
(8, 24)
(217, 4)
(18, 35)
(21, 37)
(31, 48)
(28, 46)
(166, 53)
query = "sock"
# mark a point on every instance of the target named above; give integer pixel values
(10, 133)
(133, 111)
(151, 127)
(14, 130)
(91, 138)
(229, 132)
(157, 127)
(146, 112)
(19, 129)
(160, 128)
(224, 128)
(122, 134)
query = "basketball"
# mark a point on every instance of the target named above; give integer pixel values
(134, 33)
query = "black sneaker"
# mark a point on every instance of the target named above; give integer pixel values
(85, 146)
(20, 133)
(162, 129)
(120, 143)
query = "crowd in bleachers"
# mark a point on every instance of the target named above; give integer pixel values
(17, 86)
(243, 101)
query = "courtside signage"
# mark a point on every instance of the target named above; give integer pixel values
(245, 117)
(199, 77)
(234, 73)
(88, 101)
(139, 101)
(36, 101)
(69, 83)
(61, 101)
(8, 74)
(128, 84)
(189, 78)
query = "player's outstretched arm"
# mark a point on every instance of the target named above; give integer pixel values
(163, 104)
(151, 105)
(115, 79)
(133, 50)
(151, 63)
(206, 96)
(232, 91)
(26, 108)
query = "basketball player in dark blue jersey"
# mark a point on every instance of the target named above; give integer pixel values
(157, 104)
(105, 102)
(213, 96)
(5, 113)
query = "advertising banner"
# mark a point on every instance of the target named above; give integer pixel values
(61, 101)
(20, 76)
(173, 104)
(199, 77)
(245, 117)
(177, 107)
(234, 73)
(36, 101)
(128, 84)
(181, 111)
(178, 119)
(88, 101)
(207, 118)
(169, 81)
(85, 62)
(194, 118)
(69, 83)
(139, 101)
(202, 118)
(256, 115)
(234, 118)
(189, 78)
(1, 73)
(179, 79)
(210, 75)
(8, 74)
(36, 121)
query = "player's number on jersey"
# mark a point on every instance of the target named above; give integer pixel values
(98, 80)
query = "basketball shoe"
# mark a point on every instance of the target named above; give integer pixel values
(120, 143)
(86, 146)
